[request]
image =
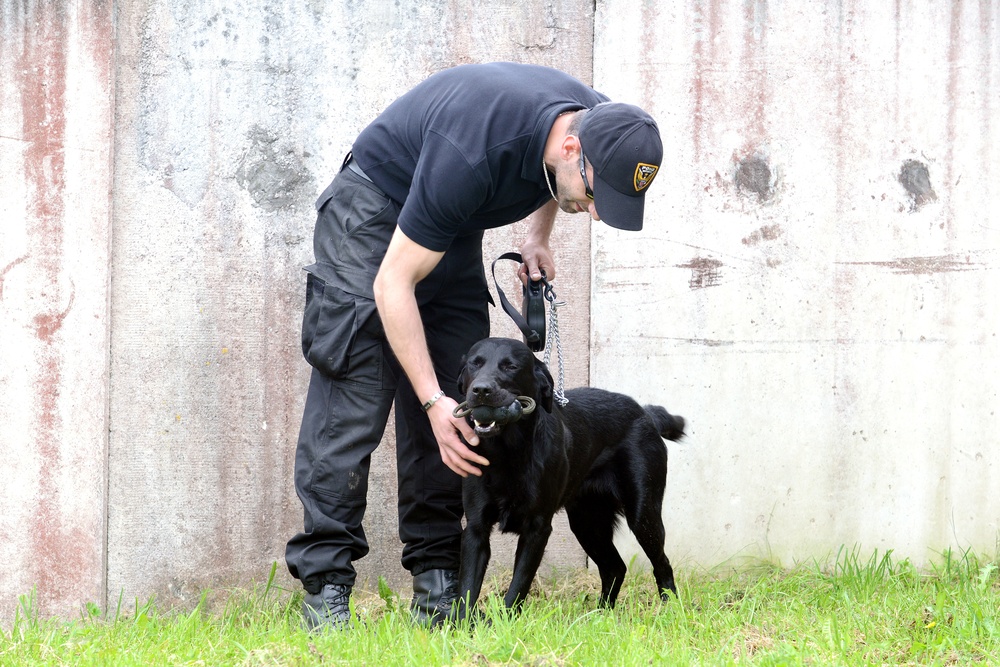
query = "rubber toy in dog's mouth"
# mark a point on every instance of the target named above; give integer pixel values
(489, 420)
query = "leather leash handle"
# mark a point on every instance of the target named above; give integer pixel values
(533, 339)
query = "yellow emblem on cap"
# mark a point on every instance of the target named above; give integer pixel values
(644, 175)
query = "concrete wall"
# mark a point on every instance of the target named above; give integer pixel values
(175, 150)
(812, 299)
(231, 118)
(816, 289)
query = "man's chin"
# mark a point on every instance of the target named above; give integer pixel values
(570, 207)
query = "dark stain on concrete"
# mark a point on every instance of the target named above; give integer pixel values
(709, 342)
(916, 180)
(754, 176)
(274, 175)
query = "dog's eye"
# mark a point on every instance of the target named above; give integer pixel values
(508, 366)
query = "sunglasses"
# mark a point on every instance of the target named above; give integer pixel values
(583, 172)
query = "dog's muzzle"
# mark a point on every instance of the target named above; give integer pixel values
(488, 420)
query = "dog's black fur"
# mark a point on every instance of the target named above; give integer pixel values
(601, 457)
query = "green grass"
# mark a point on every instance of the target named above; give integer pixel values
(853, 610)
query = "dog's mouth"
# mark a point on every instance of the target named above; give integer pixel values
(490, 420)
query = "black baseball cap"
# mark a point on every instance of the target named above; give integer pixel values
(622, 142)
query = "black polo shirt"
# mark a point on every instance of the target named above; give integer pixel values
(462, 151)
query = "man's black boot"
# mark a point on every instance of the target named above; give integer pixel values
(434, 592)
(330, 608)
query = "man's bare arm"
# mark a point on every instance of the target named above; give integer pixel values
(406, 263)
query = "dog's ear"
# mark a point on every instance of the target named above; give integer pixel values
(543, 381)
(463, 376)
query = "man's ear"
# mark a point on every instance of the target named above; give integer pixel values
(544, 385)
(570, 147)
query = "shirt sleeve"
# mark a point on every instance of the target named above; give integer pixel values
(446, 191)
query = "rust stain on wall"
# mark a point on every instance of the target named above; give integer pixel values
(706, 24)
(841, 63)
(42, 82)
(650, 80)
(6, 270)
(765, 233)
(704, 272)
(48, 324)
(955, 47)
(756, 23)
(926, 265)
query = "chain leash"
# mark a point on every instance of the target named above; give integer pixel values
(553, 335)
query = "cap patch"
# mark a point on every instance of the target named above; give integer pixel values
(644, 175)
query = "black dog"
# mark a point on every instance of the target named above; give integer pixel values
(601, 457)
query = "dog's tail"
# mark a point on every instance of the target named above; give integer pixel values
(669, 426)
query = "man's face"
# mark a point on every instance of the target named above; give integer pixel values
(571, 189)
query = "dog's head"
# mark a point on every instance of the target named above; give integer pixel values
(494, 373)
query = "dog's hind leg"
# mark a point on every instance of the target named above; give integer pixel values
(649, 533)
(592, 520)
(646, 523)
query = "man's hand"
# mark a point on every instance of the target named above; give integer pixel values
(536, 259)
(447, 429)
(535, 252)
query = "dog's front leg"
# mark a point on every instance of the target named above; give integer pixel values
(530, 549)
(472, 567)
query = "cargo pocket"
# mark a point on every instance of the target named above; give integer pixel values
(329, 327)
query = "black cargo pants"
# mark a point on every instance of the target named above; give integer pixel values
(355, 379)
